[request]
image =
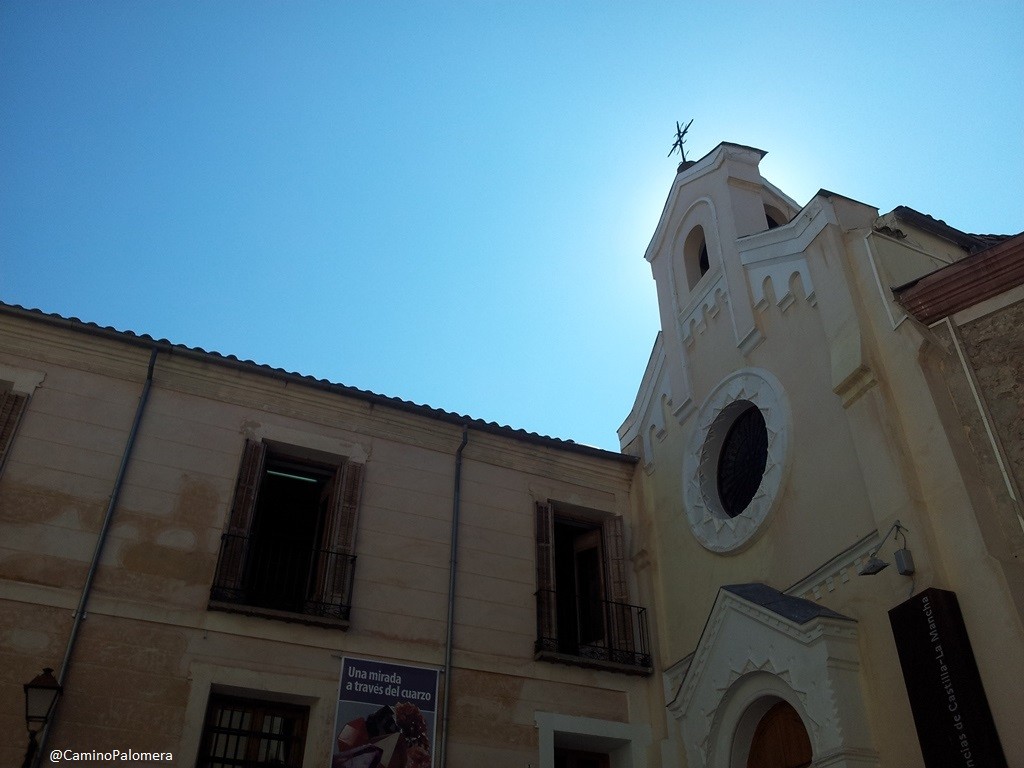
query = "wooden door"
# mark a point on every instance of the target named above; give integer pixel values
(780, 740)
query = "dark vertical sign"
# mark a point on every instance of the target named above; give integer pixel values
(387, 715)
(951, 713)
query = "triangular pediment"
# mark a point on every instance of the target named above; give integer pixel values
(760, 639)
(755, 615)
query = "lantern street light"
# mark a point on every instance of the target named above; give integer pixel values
(40, 698)
(904, 560)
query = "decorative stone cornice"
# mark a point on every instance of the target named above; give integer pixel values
(837, 571)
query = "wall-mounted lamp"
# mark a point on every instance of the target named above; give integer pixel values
(41, 696)
(904, 560)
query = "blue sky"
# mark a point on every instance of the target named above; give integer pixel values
(450, 202)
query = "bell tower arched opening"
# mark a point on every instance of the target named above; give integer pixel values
(695, 255)
(774, 216)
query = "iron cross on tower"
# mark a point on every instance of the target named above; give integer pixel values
(680, 140)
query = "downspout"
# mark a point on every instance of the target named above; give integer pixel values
(442, 762)
(80, 614)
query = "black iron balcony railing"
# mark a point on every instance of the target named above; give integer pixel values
(275, 574)
(592, 632)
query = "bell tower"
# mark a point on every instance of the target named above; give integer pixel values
(695, 253)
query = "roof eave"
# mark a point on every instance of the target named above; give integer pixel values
(249, 366)
(964, 283)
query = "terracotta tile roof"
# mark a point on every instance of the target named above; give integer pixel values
(169, 347)
(964, 283)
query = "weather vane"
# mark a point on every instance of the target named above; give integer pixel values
(680, 140)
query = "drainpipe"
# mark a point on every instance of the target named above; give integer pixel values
(442, 762)
(80, 614)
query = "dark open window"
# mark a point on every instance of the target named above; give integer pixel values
(289, 546)
(742, 460)
(774, 217)
(579, 570)
(245, 733)
(696, 259)
(583, 610)
(12, 405)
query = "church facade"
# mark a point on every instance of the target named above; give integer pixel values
(800, 426)
(807, 552)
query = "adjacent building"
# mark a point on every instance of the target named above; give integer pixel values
(197, 544)
(268, 525)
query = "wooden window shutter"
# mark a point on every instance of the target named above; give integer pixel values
(12, 405)
(336, 559)
(250, 475)
(615, 549)
(547, 622)
(235, 542)
(348, 485)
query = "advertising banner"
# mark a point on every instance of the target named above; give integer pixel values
(951, 712)
(387, 715)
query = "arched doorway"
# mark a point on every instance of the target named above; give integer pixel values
(780, 740)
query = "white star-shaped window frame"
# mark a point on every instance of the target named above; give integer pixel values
(710, 523)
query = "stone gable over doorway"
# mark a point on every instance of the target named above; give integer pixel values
(761, 647)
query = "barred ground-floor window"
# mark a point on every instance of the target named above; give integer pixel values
(244, 733)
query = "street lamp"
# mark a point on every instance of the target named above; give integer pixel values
(904, 560)
(40, 697)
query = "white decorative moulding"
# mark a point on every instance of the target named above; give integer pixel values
(780, 274)
(710, 523)
(706, 304)
(750, 657)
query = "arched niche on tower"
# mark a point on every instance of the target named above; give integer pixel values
(695, 250)
(695, 253)
(775, 216)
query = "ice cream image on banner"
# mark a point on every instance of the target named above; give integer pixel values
(386, 716)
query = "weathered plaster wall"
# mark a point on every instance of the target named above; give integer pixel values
(150, 650)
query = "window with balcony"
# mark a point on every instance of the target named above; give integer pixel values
(584, 616)
(288, 551)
